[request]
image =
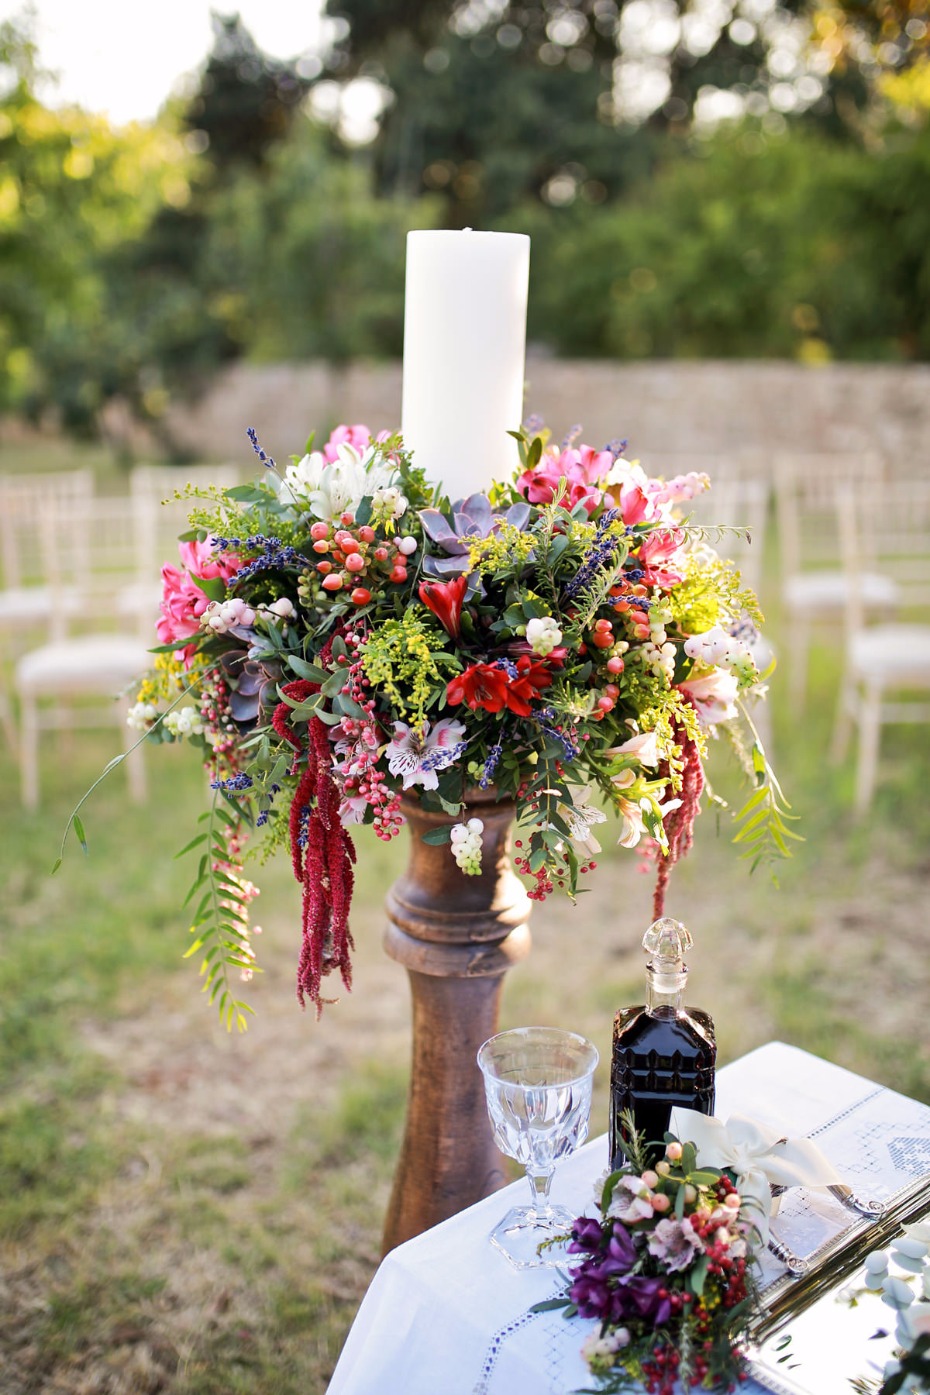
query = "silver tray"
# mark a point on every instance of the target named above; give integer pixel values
(833, 1346)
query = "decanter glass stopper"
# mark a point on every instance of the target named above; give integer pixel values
(667, 941)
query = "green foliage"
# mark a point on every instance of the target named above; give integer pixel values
(72, 193)
(132, 268)
(333, 287)
(220, 920)
(747, 245)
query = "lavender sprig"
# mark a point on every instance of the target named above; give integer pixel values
(490, 765)
(266, 460)
(599, 556)
(545, 717)
(274, 555)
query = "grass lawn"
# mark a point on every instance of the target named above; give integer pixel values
(188, 1212)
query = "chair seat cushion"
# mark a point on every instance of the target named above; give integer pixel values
(884, 656)
(101, 664)
(28, 605)
(826, 591)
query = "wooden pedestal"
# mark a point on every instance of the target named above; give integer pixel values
(456, 936)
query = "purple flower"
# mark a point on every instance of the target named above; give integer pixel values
(587, 1234)
(640, 1298)
(612, 1255)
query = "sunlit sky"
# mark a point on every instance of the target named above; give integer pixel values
(123, 57)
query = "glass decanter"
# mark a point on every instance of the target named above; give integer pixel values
(663, 1053)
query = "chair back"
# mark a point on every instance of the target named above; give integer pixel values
(27, 504)
(92, 557)
(160, 515)
(806, 493)
(741, 506)
(886, 527)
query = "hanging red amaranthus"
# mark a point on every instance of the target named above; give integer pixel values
(322, 854)
(679, 822)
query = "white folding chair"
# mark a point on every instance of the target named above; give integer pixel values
(813, 579)
(27, 604)
(90, 555)
(158, 519)
(887, 677)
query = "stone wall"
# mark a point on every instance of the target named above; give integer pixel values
(756, 409)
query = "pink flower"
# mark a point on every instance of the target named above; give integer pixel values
(582, 468)
(714, 695)
(658, 557)
(676, 1243)
(631, 1201)
(356, 436)
(202, 560)
(417, 755)
(182, 602)
(644, 747)
(635, 505)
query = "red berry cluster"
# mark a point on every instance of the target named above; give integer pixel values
(350, 557)
(626, 601)
(661, 1372)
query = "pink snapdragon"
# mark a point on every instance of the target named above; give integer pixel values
(581, 467)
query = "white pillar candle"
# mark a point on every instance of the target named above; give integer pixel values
(464, 355)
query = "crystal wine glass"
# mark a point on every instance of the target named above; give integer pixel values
(538, 1085)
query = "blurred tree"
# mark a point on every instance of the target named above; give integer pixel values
(789, 246)
(484, 129)
(245, 101)
(334, 286)
(73, 192)
(534, 88)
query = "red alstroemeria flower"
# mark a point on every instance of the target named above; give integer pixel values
(445, 600)
(499, 685)
(480, 685)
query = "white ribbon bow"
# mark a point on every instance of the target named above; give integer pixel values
(758, 1156)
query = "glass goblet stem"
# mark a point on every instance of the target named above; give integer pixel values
(540, 1182)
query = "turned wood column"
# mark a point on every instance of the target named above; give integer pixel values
(456, 936)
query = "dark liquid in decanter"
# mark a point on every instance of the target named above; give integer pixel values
(660, 1059)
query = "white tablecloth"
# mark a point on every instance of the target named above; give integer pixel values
(446, 1314)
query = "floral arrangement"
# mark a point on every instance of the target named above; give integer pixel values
(339, 636)
(666, 1270)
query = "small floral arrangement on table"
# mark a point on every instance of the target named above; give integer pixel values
(666, 1270)
(339, 635)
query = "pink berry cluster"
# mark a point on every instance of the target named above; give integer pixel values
(351, 555)
(358, 743)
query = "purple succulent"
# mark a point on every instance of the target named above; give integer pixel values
(253, 686)
(473, 517)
